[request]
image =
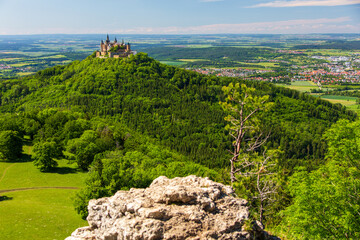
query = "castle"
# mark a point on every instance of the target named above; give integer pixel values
(114, 49)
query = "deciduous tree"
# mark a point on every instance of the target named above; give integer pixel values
(10, 145)
(326, 202)
(44, 154)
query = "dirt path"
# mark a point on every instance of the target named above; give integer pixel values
(32, 188)
(3, 175)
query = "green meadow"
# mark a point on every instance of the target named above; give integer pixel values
(302, 86)
(35, 205)
(38, 214)
(343, 100)
(306, 86)
(173, 63)
(331, 52)
(21, 74)
(262, 64)
(192, 60)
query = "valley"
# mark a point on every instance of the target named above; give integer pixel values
(91, 126)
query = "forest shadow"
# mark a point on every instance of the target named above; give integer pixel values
(4, 198)
(63, 170)
(24, 158)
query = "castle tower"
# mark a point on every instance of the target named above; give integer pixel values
(102, 46)
(115, 40)
(107, 39)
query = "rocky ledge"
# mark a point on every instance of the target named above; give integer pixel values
(179, 208)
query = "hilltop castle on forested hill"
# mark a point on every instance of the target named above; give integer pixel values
(114, 49)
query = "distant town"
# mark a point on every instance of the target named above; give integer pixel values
(336, 69)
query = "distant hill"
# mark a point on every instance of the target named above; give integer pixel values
(128, 121)
(177, 107)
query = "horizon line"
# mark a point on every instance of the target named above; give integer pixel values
(174, 34)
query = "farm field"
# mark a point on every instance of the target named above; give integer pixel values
(343, 100)
(26, 65)
(192, 60)
(38, 205)
(330, 52)
(302, 86)
(306, 86)
(355, 108)
(173, 63)
(263, 64)
(21, 74)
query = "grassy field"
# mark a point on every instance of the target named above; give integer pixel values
(38, 214)
(44, 210)
(192, 60)
(355, 108)
(343, 100)
(302, 86)
(263, 64)
(20, 64)
(330, 52)
(9, 59)
(173, 63)
(21, 74)
(303, 83)
(343, 86)
(306, 86)
(53, 56)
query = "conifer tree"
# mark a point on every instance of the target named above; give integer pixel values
(243, 106)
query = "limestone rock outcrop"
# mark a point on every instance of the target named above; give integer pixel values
(179, 208)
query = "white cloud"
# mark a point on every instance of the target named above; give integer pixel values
(307, 3)
(301, 26)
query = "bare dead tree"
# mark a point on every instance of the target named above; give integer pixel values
(265, 185)
(261, 169)
(243, 105)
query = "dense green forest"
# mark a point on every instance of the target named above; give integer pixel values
(334, 44)
(127, 121)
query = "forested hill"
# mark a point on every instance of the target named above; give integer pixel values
(177, 107)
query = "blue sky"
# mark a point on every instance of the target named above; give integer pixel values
(179, 16)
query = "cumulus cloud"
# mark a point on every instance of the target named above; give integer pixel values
(307, 3)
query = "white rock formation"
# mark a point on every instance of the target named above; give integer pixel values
(179, 208)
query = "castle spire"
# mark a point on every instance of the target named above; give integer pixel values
(115, 40)
(123, 41)
(107, 39)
